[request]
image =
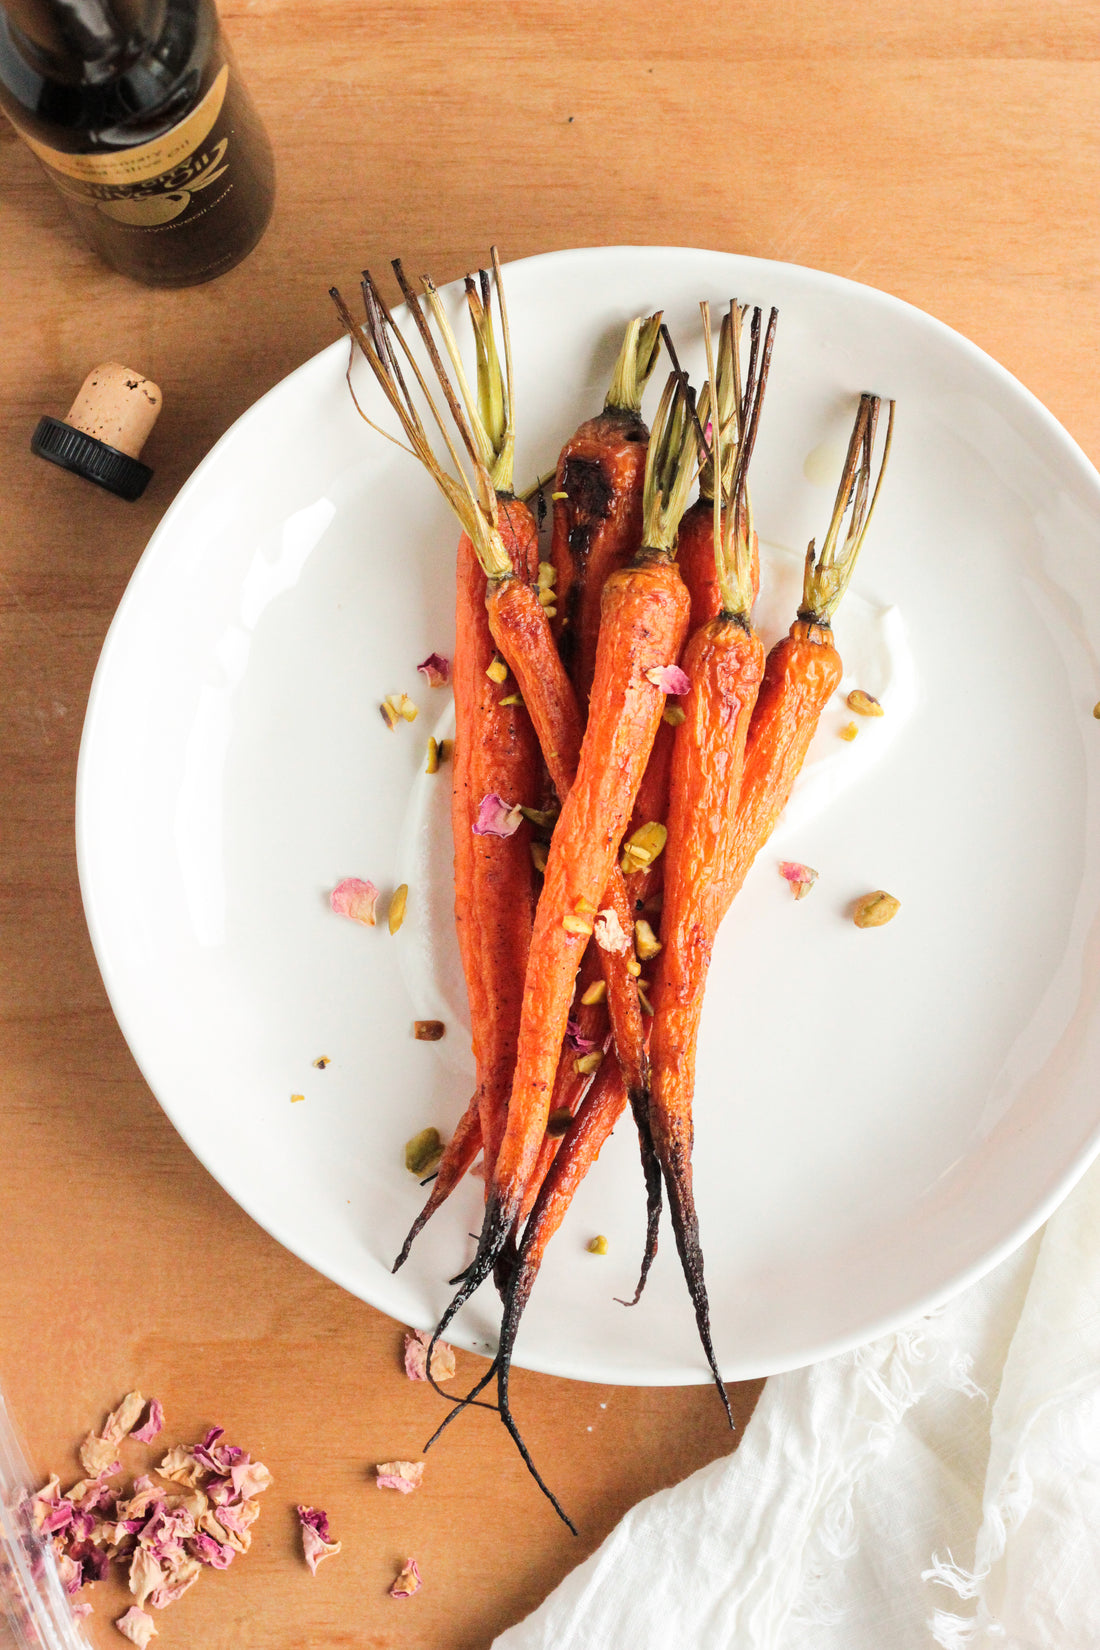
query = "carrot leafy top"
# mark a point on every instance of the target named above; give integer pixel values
(637, 358)
(736, 405)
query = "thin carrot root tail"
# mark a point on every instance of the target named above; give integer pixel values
(513, 1308)
(466, 1402)
(651, 1170)
(685, 1224)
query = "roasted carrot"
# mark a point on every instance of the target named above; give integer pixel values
(460, 1152)
(597, 501)
(644, 619)
(496, 751)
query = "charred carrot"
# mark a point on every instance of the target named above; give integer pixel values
(597, 501)
(645, 611)
(460, 1152)
(724, 664)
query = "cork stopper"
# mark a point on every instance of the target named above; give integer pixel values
(105, 429)
(117, 406)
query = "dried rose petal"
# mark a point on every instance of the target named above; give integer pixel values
(576, 1038)
(417, 1342)
(218, 1554)
(184, 1576)
(80, 1608)
(437, 669)
(180, 1466)
(669, 678)
(408, 1582)
(608, 931)
(152, 1425)
(355, 898)
(137, 1626)
(495, 817)
(800, 877)
(250, 1478)
(70, 1572)
(317, 1543)
(399, 1475)
(146, 1575)
(100, 1450)
(92, 1493)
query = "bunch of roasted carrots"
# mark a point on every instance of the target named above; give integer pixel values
(618, 693)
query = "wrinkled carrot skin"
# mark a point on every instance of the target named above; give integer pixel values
(495, 751)
(645, 615)
(695, 555)
(460, 1151)
(522, 632)
(597, 528)
(802, 673)
(570, 1085)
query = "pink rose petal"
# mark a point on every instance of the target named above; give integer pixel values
(79, 1608)
(495, 817)
(417, 1342)
(575, 1038)
(437, 669)
(408, 1582)
(800, 877)
(250, 1478)
(669, 678)
(355, 898)
(137, 1626)
(405, 1476)
(608, 931)
(152, 1425)
(317, 1543)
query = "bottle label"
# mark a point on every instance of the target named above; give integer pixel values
(152, 183)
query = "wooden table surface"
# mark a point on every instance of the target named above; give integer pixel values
(948, 154)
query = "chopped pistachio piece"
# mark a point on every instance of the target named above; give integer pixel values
(645, 940)
(547, 597)
(849, 732)
(539, 855)
(575, 925)
(598, 1245)
(428, 1031)
(674, 715)
(512, 699)
(423, 1152)
(322, 1061)
(864, 704)
(397, 907)
(548, 575)
(643, 847)
(294, 1099)
(596, 993)
(559, 495)
(498, 670)
(875, 909)
(585, 1064)
(433, 756)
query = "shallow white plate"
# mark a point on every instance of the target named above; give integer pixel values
(881, 1115)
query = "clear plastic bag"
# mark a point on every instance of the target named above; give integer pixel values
(35, 1613)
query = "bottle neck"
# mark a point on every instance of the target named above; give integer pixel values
(84, 39)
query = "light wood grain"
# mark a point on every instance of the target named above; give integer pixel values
(950, 155)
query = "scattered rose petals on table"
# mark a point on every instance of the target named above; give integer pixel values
(405, 1476)
(669, 678)
(137, 1626)
(152, 1425)
(800, 877)
(495, 817)
(437, 669)
(408, 1582)
(99, 1451)
(317, 1542)
(417, 1342)
(355, 898)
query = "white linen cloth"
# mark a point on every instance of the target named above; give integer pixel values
(940, 1486)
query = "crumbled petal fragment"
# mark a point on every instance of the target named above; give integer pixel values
(597, 1245)
(408, 1582)
(875, 909)
(800, 877)
(417, 1342)
(356, 899)
(80, 1608)
(217, 1554)
(609, 932)
(249, 1478)
(495, 817)
(669, 678)
(99, 1451)
(137, 1626)
(152, 1425)
(437, 669)
(405, 1476)
(317, 1542)
(423, 1152)
(576, 1039)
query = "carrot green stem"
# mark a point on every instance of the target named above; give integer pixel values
(827, 575)
(670, 466)
(637, 358)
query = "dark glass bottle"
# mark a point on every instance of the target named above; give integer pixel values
(137, 113)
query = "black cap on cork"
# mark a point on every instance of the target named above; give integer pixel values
(102, 435)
